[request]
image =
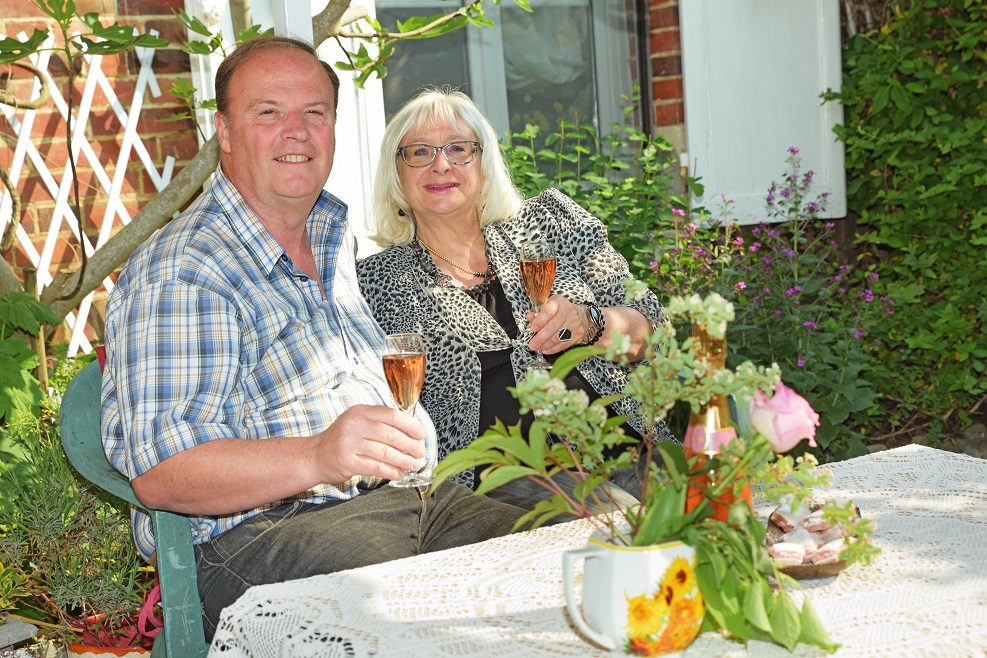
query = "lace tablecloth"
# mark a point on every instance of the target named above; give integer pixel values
(924, 595)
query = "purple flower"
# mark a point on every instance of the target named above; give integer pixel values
(740, 285)
(792, 291)
(773, 233)
(800, 362)
(778, 312)
(812, 207)
(678, 211)
(810, 325)
(858, 334)
(794, 150)
(653, 264)
(830, 225)
(769, 198)
(739, 242)
(766, 261)
(785, 192)
(808, 177)
(767, 291)
(789, 252)
(874, 276)
(755, 246)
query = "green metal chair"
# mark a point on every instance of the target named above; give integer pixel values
(182, 635)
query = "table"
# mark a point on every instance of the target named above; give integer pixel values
(924, 595)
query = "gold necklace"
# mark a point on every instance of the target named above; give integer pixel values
(458, 267)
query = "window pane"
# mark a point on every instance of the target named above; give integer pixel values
(549, 65)
(420, 62)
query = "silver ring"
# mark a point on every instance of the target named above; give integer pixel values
(564, 335)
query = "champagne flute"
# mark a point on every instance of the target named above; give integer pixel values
(404, 368)
(538, 275)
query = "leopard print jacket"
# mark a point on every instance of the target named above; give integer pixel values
(406, 292)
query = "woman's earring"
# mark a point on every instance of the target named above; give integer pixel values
(401, 212)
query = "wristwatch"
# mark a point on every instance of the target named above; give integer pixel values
(596, 317)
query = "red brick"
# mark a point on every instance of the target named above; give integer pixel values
(169, 29)
(669, 89)
(33, 191)
(669, 114)
(182, 148)
(668, 65)
(148, 7)
(667, 16)
(665, 41)
(107, 150)
(54, 151)
(47, 123)
(101, 7)
(166, 61)
(115, 66)
(122, 87)
(150, 122)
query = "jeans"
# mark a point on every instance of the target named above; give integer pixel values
(300, 539)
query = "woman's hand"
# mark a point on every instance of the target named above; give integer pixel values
(556, 314)
(559, 313)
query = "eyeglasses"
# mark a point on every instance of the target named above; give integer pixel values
(422, 155)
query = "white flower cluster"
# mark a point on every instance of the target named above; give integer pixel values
(714, 312)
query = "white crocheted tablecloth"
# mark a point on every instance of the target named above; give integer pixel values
(924, 595)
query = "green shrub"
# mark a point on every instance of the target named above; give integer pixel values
(916, 154)
(795, 304)
(623, 178)
(20, 314)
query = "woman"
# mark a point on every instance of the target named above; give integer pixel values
(453, 223)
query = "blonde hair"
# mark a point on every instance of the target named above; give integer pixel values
(498, 199)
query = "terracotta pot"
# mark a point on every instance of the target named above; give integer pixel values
(86, 651)
(639, 600)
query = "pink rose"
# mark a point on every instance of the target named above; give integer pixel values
(783, 419)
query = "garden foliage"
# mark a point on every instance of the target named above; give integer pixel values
(797, 304)
(915, 102)
(622, 178)
(20, 315)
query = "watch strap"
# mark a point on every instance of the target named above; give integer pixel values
(596, 317)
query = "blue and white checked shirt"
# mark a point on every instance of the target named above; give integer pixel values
(212, 332)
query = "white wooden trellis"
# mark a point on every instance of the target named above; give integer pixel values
(131, 145)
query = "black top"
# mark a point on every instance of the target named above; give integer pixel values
(496, 372)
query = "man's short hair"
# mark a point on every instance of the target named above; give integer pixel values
(250, 48)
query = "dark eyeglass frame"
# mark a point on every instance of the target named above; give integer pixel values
(477, 147)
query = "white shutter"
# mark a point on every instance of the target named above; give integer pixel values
(753, 72)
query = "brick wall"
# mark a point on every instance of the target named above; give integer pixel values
(104, 130)
(666, 63)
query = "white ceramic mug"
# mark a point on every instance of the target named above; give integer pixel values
(645, 598)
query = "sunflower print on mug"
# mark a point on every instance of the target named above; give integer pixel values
(669, 619)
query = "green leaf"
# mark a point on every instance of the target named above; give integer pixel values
(12, 50)
(786, 627)
(754, 609)
(493, 478)
(813, 631)
(570, 359)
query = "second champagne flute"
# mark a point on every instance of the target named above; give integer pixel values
(538, 275)
(404, 368)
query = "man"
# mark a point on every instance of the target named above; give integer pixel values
(243, 384)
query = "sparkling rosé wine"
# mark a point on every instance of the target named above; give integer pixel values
(405, 375)
(538, 276)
